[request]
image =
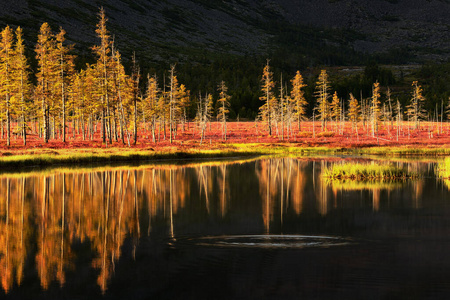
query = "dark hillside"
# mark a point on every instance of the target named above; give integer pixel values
(324, 31)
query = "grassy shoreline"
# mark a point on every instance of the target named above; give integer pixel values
(50, 157)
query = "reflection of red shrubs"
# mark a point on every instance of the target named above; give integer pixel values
(250, 132)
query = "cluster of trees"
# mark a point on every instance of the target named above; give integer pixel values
(284, 110)
(100, 94)
(103, 98)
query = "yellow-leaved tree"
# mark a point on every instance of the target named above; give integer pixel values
(322, 88)
(353, 112)
(66, 70)
(335, 109)
(47, 70)
(104, 70)
(7, 77)
(298, 97)
(375, 108)
(415, 109)
(151, 110)
(224, 104)
(267, 109)
(22, 85)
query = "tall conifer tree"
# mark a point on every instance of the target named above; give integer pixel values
(104, 62)
(7, 76)
(298, 97)
(22, 85)
(268, 97)
(322, 95)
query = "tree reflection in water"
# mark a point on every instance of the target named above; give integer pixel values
(43, 215)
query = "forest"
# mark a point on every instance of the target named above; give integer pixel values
(51, 96)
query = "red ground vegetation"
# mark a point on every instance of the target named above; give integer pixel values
(429, 135)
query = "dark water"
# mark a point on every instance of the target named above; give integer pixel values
(258, 229)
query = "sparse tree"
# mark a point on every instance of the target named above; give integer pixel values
(66, 70)
(7, 77)
(223, 107)
(151, 103)
(103, 70)
(135, 76)
(22, 85)
(322, 90)
(335, 109)
(353, 111)
(415, 109)
(267, 86)
(298, 97)
(375, 108)
(173, 95)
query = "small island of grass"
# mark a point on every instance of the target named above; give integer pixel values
(358, 171)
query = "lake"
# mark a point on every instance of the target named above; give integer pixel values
(263, 228)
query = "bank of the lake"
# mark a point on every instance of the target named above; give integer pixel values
(48, 157)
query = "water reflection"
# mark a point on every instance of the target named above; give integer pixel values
(268, 241)
(43, 217)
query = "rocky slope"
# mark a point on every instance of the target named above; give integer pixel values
(177, 29)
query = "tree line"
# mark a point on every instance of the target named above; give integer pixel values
(103, 98)
(280, 112)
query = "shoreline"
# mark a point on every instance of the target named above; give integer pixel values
(48, 157)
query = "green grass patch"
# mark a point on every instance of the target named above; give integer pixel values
(403, 151)
(443, 169)
(358, 171)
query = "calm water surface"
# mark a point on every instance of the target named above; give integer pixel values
(254, 229)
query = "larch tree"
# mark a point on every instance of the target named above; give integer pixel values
(354, 111)
(124, 87)
(391, 111)
(281, 115)
(184, 102)
(135, 77)
(78, 103)
(224, 104)
(322, 95)
(447, 111)
(335, 109)
(415, 109)
(7, 76)
(151, 103)
(66, 70)
(22, 84)
(92, 104)
(204, 113)
(46, 75)
(104, 63)
(163, 111)
(270, 101)
(173, 97)
(398, 116)
(375, 108)
(298, 97)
